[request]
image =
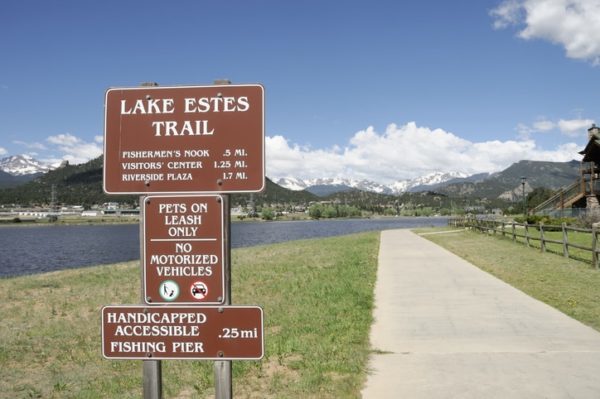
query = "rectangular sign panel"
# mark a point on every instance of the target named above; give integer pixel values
(182, 332)
(184, 139)
(183, 249)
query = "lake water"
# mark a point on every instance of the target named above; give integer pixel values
(37, 249)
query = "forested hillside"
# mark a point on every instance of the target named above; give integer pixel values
(82, 185)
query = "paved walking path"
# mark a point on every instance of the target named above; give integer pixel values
(446, 329)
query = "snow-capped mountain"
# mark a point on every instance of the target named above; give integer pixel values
(437, 177)
(292, 183)
(433, 179)
(330, 185)
(20, 165)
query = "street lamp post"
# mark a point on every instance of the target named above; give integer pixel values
(523, 180)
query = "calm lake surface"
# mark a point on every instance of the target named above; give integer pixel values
(38, 249)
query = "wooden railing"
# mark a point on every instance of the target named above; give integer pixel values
(558, 200)
(542, 235)
(566, 197)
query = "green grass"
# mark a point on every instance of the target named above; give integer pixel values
(573, 237)
(317, 297)
(553, 233)
(569, 285)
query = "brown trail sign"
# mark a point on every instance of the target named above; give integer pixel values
(184, 139)
(182, 332)
(183, 249)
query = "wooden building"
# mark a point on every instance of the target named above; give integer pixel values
(590, 166)
(584, 192)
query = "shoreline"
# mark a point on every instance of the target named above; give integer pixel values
(76, 221)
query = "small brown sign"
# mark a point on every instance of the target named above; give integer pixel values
(184, 139)
(183, 249)
(182, 332)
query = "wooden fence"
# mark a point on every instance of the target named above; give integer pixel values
(537, 233)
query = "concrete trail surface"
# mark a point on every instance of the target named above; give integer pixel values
(445, 329)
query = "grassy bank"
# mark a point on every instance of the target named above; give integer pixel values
(569, 285)
(317, 296)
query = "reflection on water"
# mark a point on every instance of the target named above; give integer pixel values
(28, 250)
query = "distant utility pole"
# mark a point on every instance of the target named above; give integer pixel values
(54, 209)
(53, 198)
(523, 180)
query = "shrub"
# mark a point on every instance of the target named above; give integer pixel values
(267, 214)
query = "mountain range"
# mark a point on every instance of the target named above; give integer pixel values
(506, 184)
(324, 187)
(17, 170)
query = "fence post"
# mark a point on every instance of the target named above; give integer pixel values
(594, 245)
(527, 233)
(503, 229)
(565, 240)
(542, 242)
(514, 237)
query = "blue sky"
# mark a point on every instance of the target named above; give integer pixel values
(381, 90)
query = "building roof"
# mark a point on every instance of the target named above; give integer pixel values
(591, 152)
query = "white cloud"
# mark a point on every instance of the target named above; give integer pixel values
(574, 127)
(506, 14)
(568, 127)
(3, 151)
(573, 24)
(525, 131)
(403, 152)
(74, 149)
(284, 159)
(31, 146)
(63, 140)
(543, 126)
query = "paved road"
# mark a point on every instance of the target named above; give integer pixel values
(449, 330)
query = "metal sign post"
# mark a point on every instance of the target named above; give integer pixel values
(151, 369)
(222, 368)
